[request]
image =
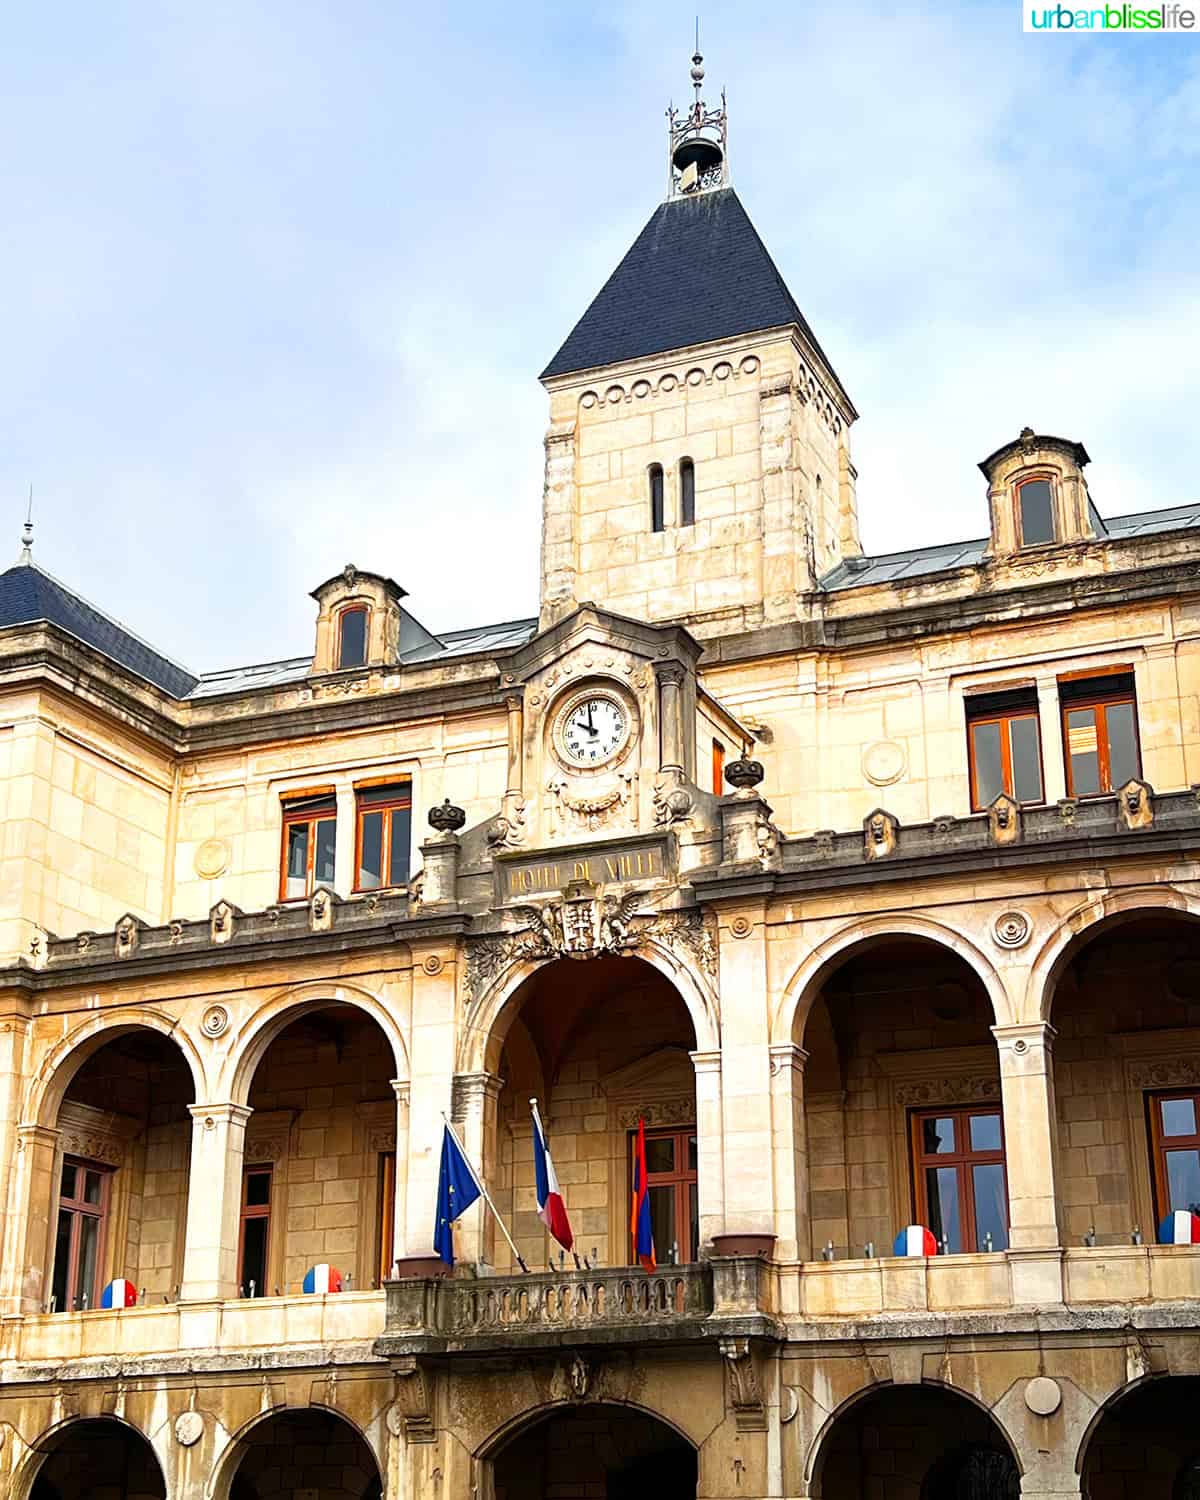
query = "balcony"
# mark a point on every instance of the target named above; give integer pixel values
(726, 1296)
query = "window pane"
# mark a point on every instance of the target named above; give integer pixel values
(353, 651)
(991, 1211)
(660, 1153)
(687, 492)
(398, 853)
(68, 1180)
(62, 1260)
(254, 1256)
(1026, 749)
(1037, 513)
(93, 1187)
(258, 1189)
(370, 852)
(691, 1153)
(662, 1222)
(694, 1217)
(326, 841)
(656, 498)
(1081, 747)
(1179, 1116)
(89, 1244)
(941, 1186)
(1183, 1180)
(297, 859)
(1122, 744)
(985, 1132)
(989, 769)
(937, 1136)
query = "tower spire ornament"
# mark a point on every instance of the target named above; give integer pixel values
(698, 140)
(25, 557)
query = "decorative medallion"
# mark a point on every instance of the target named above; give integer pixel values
(211, 859)
(1011, 929)
(189, 1428)
(1043, 1396)
(741, 927)
(433, 964)
(215, 1021)
(884, 762)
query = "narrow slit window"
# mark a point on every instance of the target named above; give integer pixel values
(1035, 513)
(718, 768)
(384, 833)
(253, 1242)
(658, 518)
(687, 492)
(352, 637)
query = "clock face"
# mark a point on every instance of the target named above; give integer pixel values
(593, 730)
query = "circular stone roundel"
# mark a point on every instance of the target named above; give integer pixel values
(883, 762)
(189, 1428)
(1011, 929)
(1043, 1396)
(212, 858)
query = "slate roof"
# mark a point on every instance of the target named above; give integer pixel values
(899, 567)
(28, 595)
(697, 272)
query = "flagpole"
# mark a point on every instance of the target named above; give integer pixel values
(533, 1104)
(485, 1195)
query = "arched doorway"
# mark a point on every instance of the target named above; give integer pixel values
(121, 1173)
(98, 1460)
(319, 1162)
(601, 1045)
(903, 1080)
(916, 1442)
(1126, 1007)
(596, 1452)
(304, 1455)
(1145, 1445)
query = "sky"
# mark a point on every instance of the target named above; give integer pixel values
(278, 278)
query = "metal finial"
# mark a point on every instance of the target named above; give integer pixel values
(26, 555)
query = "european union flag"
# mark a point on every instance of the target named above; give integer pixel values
(458, 1188)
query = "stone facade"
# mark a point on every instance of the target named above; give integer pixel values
(803, 976)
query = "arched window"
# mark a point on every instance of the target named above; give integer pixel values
(1035, 513)
(352, 637)
(687, 492)
(657, 514)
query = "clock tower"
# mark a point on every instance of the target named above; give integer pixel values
(697, 459)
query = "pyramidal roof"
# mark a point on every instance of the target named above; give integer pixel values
(29, 595)
(697, 272)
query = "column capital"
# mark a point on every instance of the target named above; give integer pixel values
(1031, 1033)
(220, 1114)
(786, 1055)
(37, 1134)
(469, 1091)
(706, 1062)
(402, 1088)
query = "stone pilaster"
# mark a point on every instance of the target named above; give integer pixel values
(433, 1040)
(710, 1154)
(790, 1152)
(474, 1097)
(25, 1278)
(1030, 1128)
(210, 1269)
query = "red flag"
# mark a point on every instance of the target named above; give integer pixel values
(639, 1220)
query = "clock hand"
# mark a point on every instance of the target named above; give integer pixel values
(589, 726)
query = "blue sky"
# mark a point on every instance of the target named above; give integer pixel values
(278, 278)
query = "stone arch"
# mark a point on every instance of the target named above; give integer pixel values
(287, 1005)
(228, 1459)
(515, 1425)
(488, 1018)
(52, 1079)
(819, 1447)
(805, 984)
(43, 1449)
(1081, 925)
(1162, 1406)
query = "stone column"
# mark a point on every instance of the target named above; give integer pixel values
(790, 1149)
(439, 885)
(475, 1096)
(33, 1193)
(14, 1029)
(210, 1270)
(515, 712)
(347, 838)
(1050, 722)
(1031, 1131)
(710, 1155)
(746, 1073)
(400, 1195)
(670, 718)
(433, 1045)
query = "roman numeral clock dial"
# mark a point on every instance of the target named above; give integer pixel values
(593, 730)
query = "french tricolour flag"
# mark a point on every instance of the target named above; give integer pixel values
(322, 1278)
(915, 1240)
(119, 1293)
(551, 1209)
(1180, 1228)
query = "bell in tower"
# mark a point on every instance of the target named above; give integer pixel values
(699, 142)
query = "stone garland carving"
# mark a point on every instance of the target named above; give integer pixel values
(661, 1112)
(93, 1146)
(1174, 1072)
(744, 1394)
(964, 1090)
(414, 1401)
(591, 813)
(672, 801)
(265, 1148)
(382, 1138)
(584, 927)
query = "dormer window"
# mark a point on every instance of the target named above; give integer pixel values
(658, 519)
(687, 492)
(352, 637)
(1035, 513)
